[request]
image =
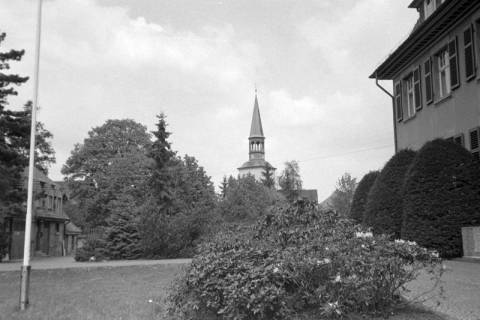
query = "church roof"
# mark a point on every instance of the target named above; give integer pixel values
(256, 129)
(256, 163)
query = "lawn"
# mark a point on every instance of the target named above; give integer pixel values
(109, 293)
(90, 293)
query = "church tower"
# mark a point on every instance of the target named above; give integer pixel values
(256, 163)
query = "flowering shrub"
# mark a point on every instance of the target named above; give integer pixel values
(297, 259)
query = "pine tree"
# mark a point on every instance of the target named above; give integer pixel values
(268, 179)
(223, 187)
(123, 236)
(162, 154)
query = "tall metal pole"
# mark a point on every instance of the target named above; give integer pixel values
(25, 277)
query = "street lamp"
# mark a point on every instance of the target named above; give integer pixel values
(25, 277)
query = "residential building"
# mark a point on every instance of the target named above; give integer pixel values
(256, 163)
(436, 82)
(48, 221)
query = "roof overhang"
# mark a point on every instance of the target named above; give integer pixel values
(446, 17)
(415, 3)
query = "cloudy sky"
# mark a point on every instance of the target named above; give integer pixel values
(199, 60)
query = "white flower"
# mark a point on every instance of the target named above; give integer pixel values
(150, 301)
(363, 246)
(411, 243)
(92, 258)
(435, 254)
(324, 261)
(275, 270)
(337, 278)
(363, 234)
(400, 241)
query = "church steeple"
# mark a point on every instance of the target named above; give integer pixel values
(256, 164)
(256, 129)
(257, 139)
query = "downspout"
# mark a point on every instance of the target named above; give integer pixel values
(393, 108)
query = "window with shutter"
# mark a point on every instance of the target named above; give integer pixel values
(474, 143)
(443, 76)
(417, 88)
(453, 61)
(427, 68)
(409, 85)
(398, 101)
(469, 47)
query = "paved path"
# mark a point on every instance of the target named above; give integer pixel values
(461, 290)
(69, 262)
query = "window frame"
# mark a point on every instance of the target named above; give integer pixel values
(443, 55)
(429, 81)
(409, 86)
(398, 101)
(470, 46)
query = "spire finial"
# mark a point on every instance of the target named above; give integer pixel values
(255, 88)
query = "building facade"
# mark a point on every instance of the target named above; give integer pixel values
(256, 164)
(436, 82)
(48, 221)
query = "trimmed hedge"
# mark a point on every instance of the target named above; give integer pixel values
(441, 196)
(360, 197)
(383, 211)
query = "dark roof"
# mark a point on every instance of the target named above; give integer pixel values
(416, 3)
(255, 163)
(256, 129)
(310, 195)
(71, 228)
(425, 35)
(50, 214)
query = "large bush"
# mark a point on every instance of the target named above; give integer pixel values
(384, 208)
(360, 196)
(296, 259)
(441, 197)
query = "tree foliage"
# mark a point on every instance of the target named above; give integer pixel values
(384, 209)
(268, 178)
(360, 196)
(246, 199)
(290, 181)
(437, 203)
(163, 156)
(123, 236)
(343, 195)
(110, 162)
(15, 142)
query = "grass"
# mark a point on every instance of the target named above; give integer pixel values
(90, 293)
(112, 293)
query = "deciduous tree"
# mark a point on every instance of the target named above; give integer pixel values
(343, 196)
(290, 181)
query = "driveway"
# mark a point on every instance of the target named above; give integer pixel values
(69, 262)
(461, 290)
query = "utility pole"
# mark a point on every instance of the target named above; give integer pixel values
(25, 276)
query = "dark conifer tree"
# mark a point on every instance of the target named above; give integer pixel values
(162, 154)
(268, 179)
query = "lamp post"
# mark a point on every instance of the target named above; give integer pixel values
(25, 270)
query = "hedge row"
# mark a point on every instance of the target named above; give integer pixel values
(425, 196)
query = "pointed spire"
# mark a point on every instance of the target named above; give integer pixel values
(256, 129)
